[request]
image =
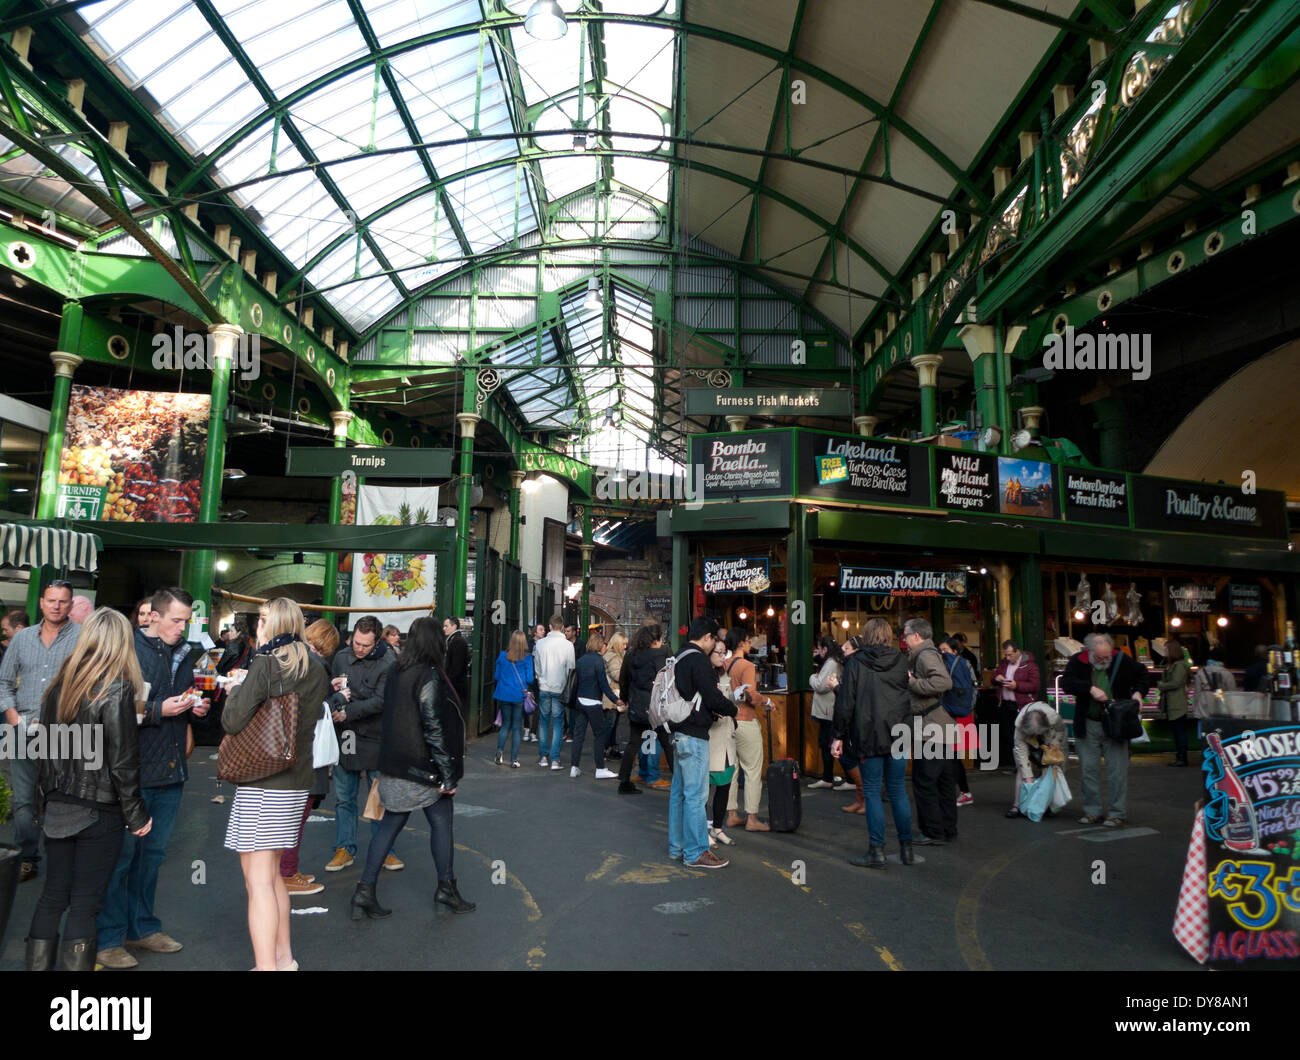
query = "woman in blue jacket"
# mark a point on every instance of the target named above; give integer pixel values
(514, 673)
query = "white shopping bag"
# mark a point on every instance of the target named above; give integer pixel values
(1061, 794)
(325, 746)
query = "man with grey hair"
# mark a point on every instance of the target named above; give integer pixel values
(1096, 676)
(934, 779)
(81, 610)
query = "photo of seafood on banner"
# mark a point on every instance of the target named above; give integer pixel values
(133, 456)
(393, 579)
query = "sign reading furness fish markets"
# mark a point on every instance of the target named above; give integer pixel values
(767, 401)
(850, 468)
(744, 464)
(744, 574)
(882, 582)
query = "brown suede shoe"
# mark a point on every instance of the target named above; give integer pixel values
(661, 785)
(855, 807)
(300, 884)
(156, 943)
(116, 958)
(708, 860)
(755, 825)
(341, 860)
(735, 820)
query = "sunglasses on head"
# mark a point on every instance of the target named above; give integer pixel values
(58, 584)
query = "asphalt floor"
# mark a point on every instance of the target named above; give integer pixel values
(568, 874)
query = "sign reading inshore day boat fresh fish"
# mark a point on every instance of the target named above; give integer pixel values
(745, 574)
(881, 582)
(1094, 496)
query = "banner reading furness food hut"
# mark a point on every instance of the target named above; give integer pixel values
(388, 579)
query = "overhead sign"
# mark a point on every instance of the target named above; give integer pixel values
(1199, 507)
(744, 465)
(849, 467)
(370, 463)
(966, 481)
(1094, 496)
(1245, 599)
(745, 574)
(767, 401)
(1191, 598)
(880, 582)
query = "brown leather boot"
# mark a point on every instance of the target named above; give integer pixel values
(859, 805)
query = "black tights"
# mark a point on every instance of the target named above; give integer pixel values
(381, 842)
(720, 792)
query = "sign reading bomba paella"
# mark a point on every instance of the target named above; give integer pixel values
(853, 468)
(902, 582)
(1199, 507)
(744, 574)
(133, 456)
(744, 465)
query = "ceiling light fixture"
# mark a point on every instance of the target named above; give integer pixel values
(844, 624)
(233, 473)
(1176, 622)
(593, 303)
(1221, 621)
(742, 614)
(545, 21)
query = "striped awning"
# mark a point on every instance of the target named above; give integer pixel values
(35, 546)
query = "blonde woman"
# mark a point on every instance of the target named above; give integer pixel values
(613, 657)
(513, 676)
(90, 798)
(265, 815)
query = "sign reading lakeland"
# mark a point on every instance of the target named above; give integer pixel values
(851, 468)
(1198, 507)
(902, 582)
(744, 465)
(746, 574)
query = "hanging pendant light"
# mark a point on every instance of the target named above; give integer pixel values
(545, 21)
(593, 302)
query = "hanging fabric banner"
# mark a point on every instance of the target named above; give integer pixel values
(382, 579)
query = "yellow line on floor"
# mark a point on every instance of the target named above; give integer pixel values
(535, 957)
(789, 876)
(605, 866)
(967, 912)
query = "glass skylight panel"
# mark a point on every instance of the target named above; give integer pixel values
(644, 175)
(293, 41)
(563, 176)
(370, 183)
(640, 59)
(486, 208)
(399, 20)
(406, 236)
(183, 31)
(202, 121)
(335, 121)
(550, 68)
(364, 303)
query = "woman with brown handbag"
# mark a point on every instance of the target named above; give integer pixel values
(265, 814)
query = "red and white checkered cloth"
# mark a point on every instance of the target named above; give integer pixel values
(1192, 918)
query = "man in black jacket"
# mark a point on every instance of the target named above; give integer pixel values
(127, 915)
(1096, 676)
(457, 662)
(361, 671)
(688, 831)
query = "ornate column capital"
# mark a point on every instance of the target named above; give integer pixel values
(468, 422)
(737, 423)
(64, 363)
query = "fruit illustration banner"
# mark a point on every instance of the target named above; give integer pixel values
(133, 456)
(1252, 843)
(387, 579)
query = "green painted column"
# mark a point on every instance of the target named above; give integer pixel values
(330, 590)
(927, 370)
(468, 422)
(1033, 624)
(588, 549)
(47, 500)
(516, 484)
(798, 600)
(681, 589)
(197, 566)
(1112, 420)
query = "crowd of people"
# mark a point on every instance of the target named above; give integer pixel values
(398, 712)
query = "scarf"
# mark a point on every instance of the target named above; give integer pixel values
(278, 642)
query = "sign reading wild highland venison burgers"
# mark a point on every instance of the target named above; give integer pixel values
(850, 467)
(966, 482)
(744, 465)
(1199, 507)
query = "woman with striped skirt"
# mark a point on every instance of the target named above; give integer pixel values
(266, 814)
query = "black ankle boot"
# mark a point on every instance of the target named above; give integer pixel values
(41, 954)
(874, 858)
(448, 895)
(364, 903)
(77, 955)
(905, 854)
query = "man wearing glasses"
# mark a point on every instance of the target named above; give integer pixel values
(31, 662)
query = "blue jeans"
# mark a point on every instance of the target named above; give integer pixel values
(894, 770)
(127, 912)
(24, 775)
(688, 824)
(649, 762)
(512, 722)
(550, 731)
(346, 782)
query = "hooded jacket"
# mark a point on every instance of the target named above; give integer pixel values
(367, 680)
(872, 699)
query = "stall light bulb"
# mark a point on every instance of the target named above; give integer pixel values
(742, 614)
(844, 624)
(770, 613)
(1175, 621)
(1221, 621)
(223, 565)
(1079, 614)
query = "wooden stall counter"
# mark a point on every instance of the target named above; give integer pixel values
(788, 741)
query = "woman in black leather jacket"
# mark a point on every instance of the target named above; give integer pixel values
(421, 760)
(90, 779)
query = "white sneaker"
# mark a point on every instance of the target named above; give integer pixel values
(556, 765)
(819, 784)
(575, 771)
(605, 774)
(543, 762)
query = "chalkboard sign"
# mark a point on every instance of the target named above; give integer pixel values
(1089, 496)
(745, 574)
(966, 482)
(744, 465)
(1202, 508)
(849, 467)
(1252, 843)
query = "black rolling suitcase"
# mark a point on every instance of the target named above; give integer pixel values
(784, 810)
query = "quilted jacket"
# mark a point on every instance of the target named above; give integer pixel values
(169, 671)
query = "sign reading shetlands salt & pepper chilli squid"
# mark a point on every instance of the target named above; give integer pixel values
(744, 465)
(902, 582)
(744, 574)
(853, 468)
